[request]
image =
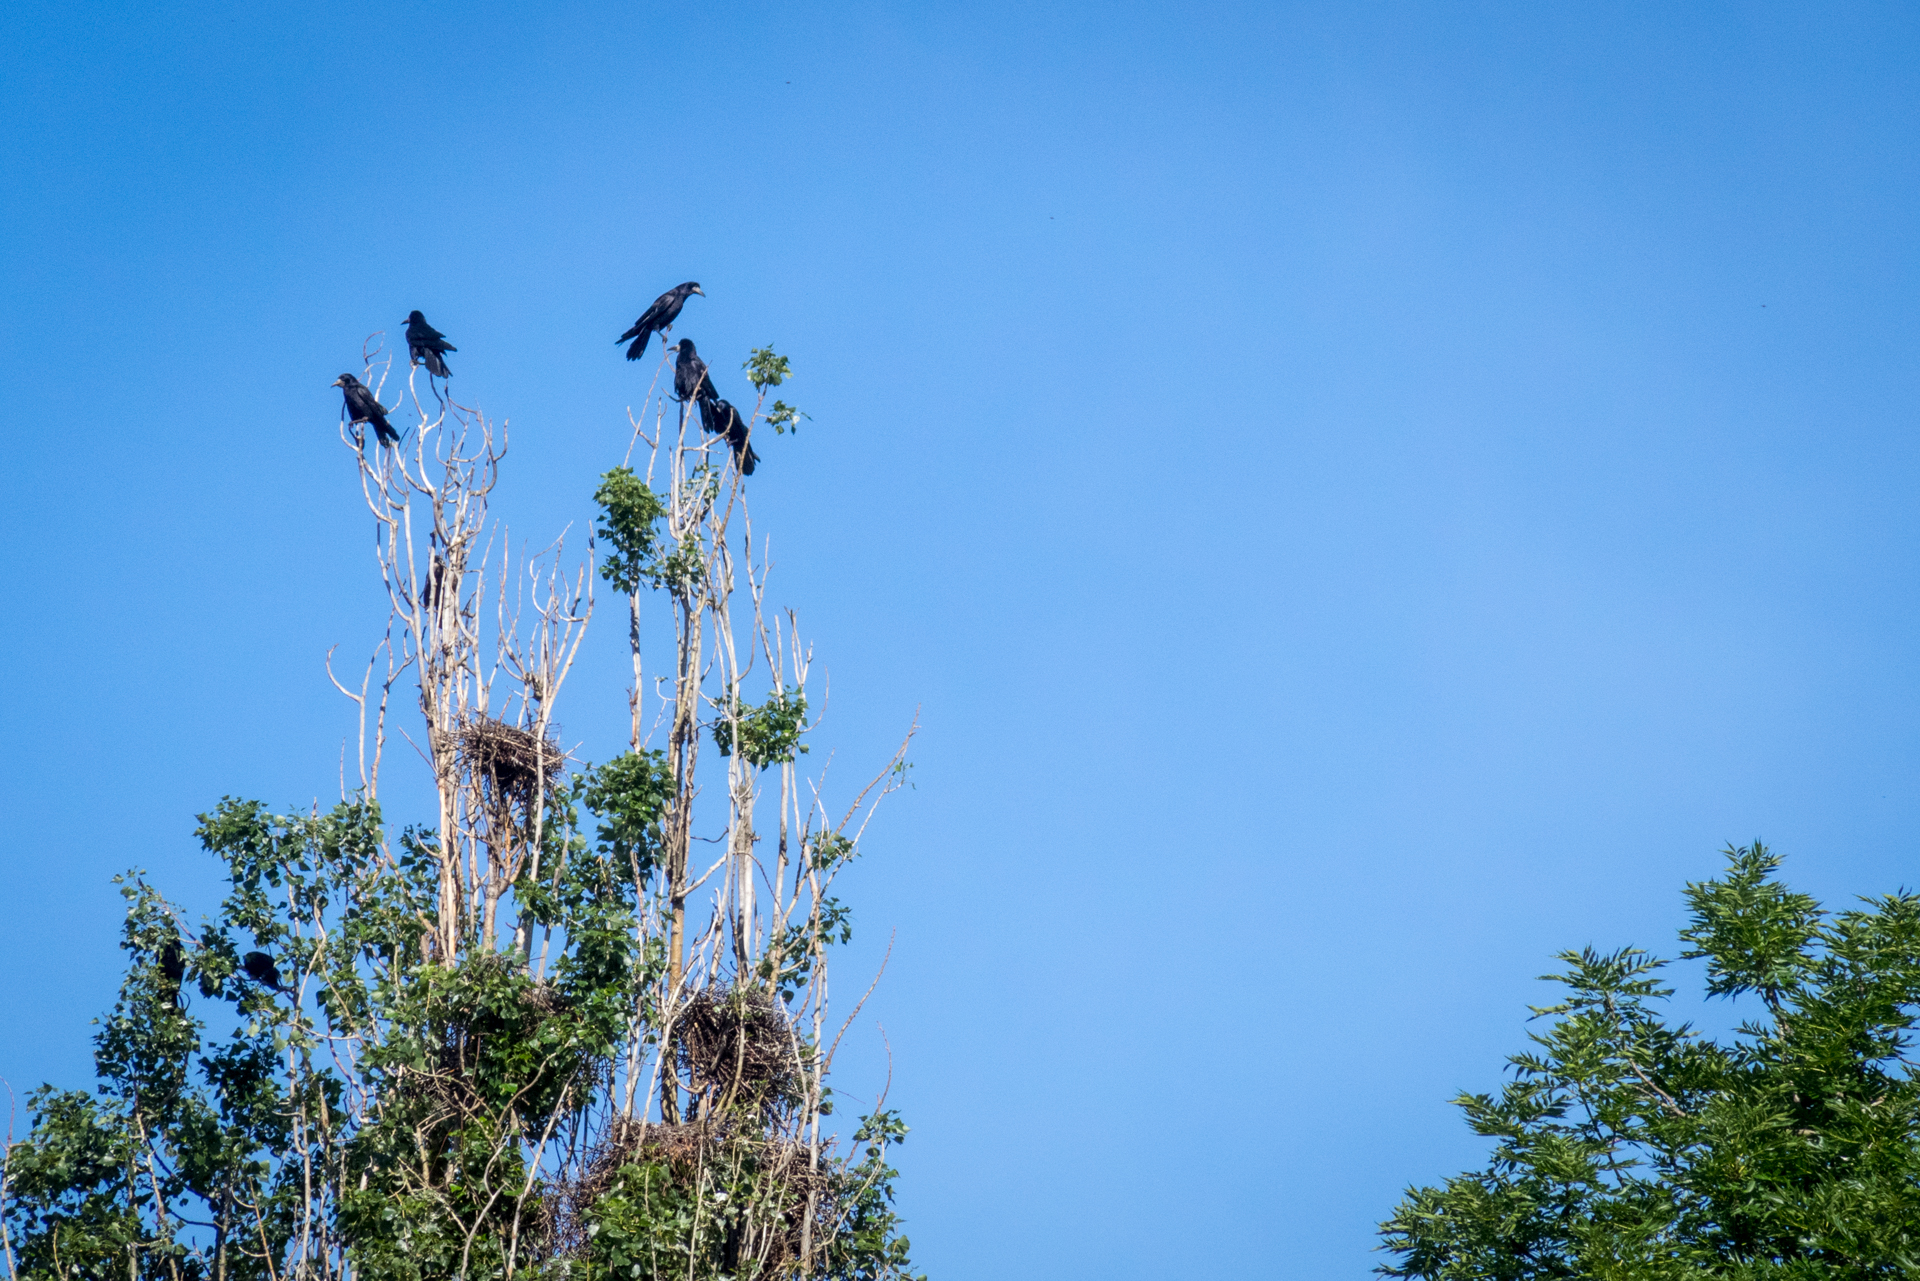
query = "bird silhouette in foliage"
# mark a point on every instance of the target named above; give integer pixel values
(658, 318)
(363, 408)
(427, 346)
(261, 969)
(173, 967)
(721, 419)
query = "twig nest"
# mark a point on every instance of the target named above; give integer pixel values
(515, 761)
(779, 1186)
(737, 1045)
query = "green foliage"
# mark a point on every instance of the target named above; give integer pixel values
(1629, 1147)
(736, 1208)
(76, 1189)
(830, 849)
(870, 1247)
(788, 963)
(769, 733)
(200, 1155)
(764, 369)
(630, 514)
(645, 1224)
(639, 552)
(631, 793)
(183, 1127)
(438, 1073)
(785, 418)
(230, 1134)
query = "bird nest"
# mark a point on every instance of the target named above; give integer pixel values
(514, 761)
(544, 999)
(737, 1045)
(788, 1186)
(445, 1080)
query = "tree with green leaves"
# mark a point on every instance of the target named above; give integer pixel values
(1629, 1146)
(575, 1021)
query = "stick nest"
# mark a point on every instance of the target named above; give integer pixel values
(787, 1186)
(516, 761)
(736, 1045)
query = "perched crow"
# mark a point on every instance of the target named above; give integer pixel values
(721, 418)
(363, 408)
(261, 969)
(173, 967)
(690, 380)
(173, 962)
(427, 345)
(658, 317)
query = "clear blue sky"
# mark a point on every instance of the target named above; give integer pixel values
(1366, 496)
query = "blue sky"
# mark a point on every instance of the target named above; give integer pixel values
(1363, 496)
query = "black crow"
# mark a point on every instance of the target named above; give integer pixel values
(721, 418)
(261, 969)
(427, 345)
(173, 968)
(363, 408)
(658, 317)
(690, 379)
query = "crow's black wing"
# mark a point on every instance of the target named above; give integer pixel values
(363, 408)
(690, 379)
(428, 354)
(642, 334)
(668, 306)
(643, 328)
(427, 345)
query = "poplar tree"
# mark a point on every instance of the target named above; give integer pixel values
(573, 1020)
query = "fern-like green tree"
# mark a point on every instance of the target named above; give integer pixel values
(1629, 1146)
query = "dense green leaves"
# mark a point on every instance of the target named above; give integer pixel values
(631, 792)
(1627, 1146)
(629, 528)
(769, 734)
(414, 1154)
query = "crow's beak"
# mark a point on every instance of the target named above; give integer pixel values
(698, 290)
(337, 383)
